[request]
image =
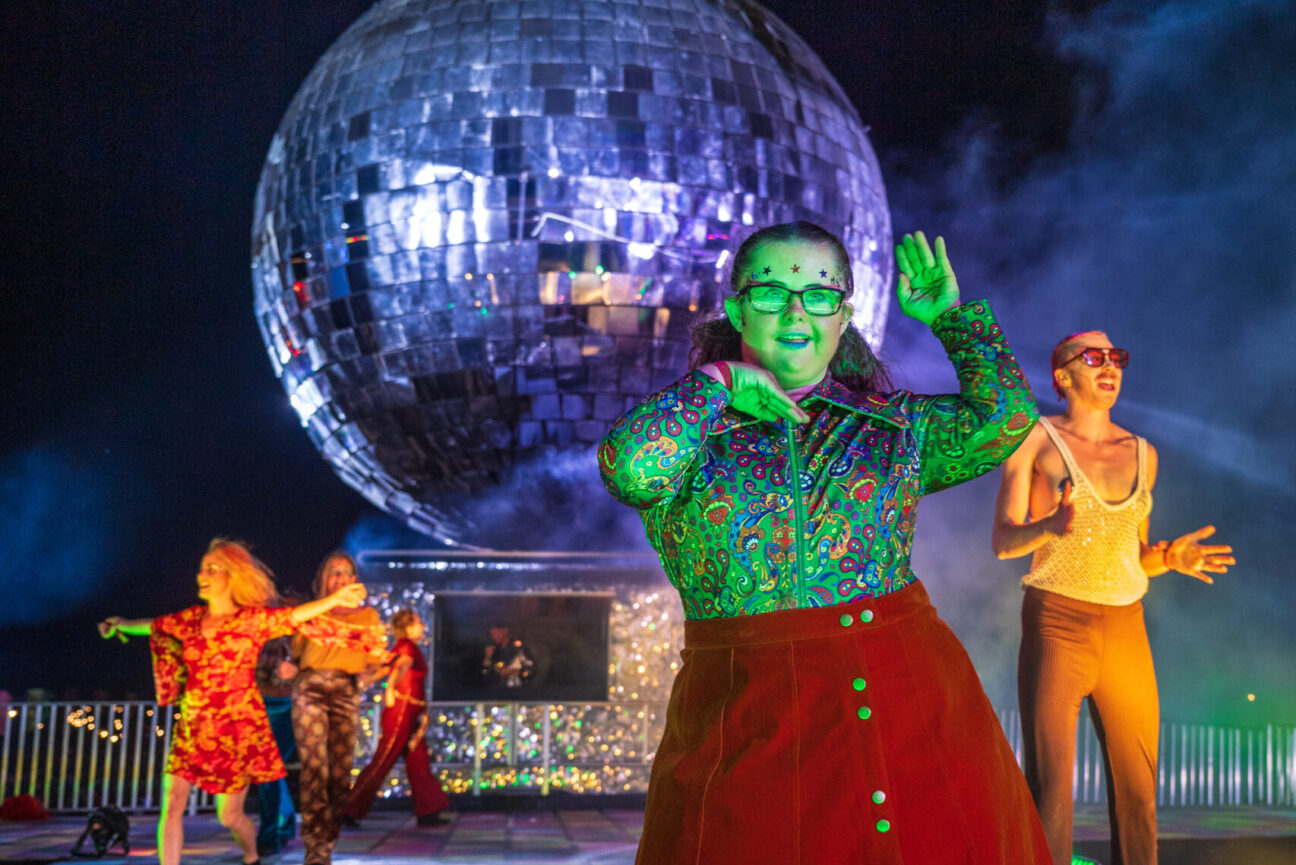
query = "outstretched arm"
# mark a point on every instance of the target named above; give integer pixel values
(1187, 555)
(116, 626)
(347, 596)
(1015, 534)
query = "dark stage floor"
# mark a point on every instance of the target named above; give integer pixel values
(1190, 836)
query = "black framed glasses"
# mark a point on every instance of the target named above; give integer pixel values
(775, 298)
(1098, 356)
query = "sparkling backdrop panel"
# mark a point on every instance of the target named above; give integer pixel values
(572, 746)
(483, 229)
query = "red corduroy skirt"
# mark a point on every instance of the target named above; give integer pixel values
(856, 733)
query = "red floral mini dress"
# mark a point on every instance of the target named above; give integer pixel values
(221, 742)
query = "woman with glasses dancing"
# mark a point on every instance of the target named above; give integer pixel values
(1077, 494)
(823, 712)
(204, 659)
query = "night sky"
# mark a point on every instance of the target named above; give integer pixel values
(1121, 165)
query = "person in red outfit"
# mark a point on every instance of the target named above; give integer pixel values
(404, 721)
(204, 659)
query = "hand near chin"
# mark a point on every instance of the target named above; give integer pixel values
(927, 283)
(756, 392)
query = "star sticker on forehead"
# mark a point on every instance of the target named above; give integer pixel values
(766, 271)
(796, 268)
(823, 274)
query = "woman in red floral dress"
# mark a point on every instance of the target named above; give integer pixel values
(204, 658)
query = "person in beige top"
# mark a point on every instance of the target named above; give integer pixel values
(1077, 494)
(327, 685)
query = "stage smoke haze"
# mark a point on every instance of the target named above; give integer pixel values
(1167, 221)
(532, 510)
(56, 535)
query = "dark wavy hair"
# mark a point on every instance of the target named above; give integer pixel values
(854, 365)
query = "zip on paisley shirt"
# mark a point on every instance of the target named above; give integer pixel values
(798, 516)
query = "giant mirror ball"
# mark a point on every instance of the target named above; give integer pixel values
(484, 228)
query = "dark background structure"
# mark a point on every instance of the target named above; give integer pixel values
(1123, 165)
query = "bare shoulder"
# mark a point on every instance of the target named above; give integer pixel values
(1021, 462)
(1025, 453)
(1120, 434)
(1036, 440)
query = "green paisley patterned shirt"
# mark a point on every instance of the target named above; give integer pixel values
(750, 516)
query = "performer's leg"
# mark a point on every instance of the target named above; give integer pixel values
(1056, 669)
(282, 727)
(278, 818)
(343, 710)
(229, 810)
(170, 829)
(429, 798)
(269, 796)
(310, 724)
(395, 731)
(1127, 717)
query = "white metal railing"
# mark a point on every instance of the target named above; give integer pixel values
(1198, 764)
(76, 756)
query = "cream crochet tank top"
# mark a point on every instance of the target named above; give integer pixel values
(1098, 560)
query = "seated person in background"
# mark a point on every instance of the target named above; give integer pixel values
(506, 663)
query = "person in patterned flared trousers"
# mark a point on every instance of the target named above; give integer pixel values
(325, 705)
(326, 699)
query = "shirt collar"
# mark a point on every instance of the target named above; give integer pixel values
(878, 406)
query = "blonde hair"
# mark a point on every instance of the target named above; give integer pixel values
(402, 620)
(251, 582)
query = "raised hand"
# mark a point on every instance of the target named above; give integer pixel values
(1187, 556)
(927, 284)
(757, 393)
(1059, 522)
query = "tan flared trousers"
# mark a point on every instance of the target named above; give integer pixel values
(1072, 651)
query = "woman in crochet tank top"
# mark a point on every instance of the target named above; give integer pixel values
(1077, 494)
